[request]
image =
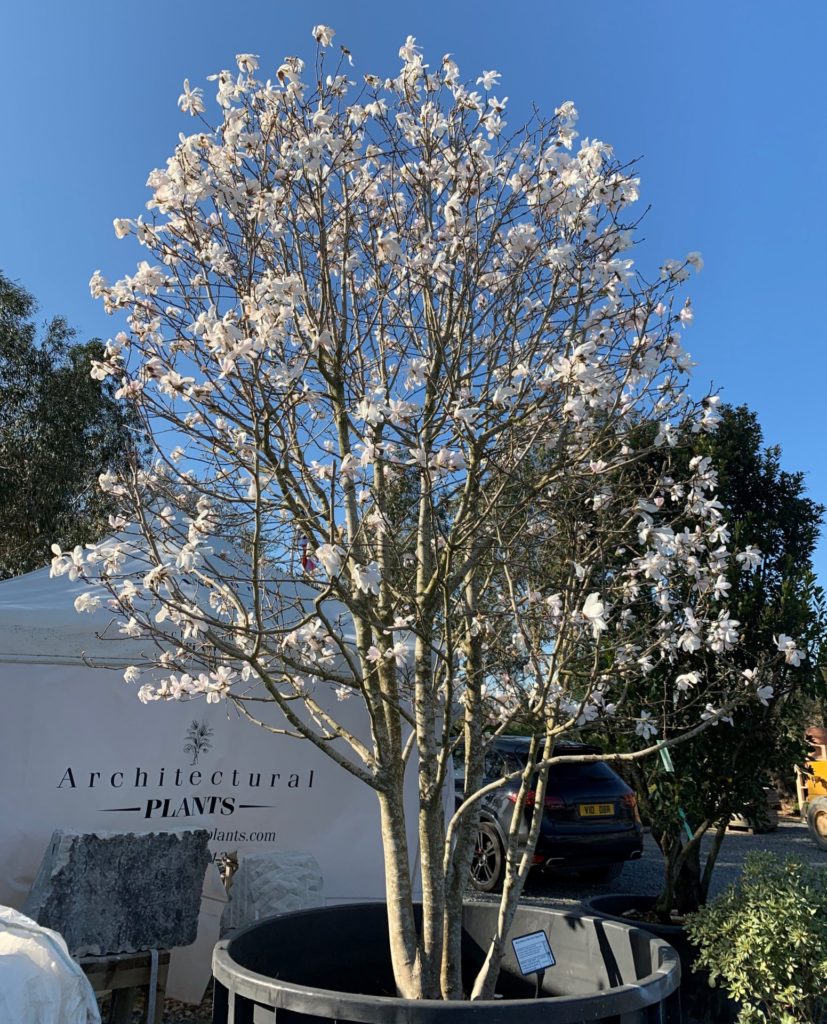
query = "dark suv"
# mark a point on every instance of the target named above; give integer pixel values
(590, 820)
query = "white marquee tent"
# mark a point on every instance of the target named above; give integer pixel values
(78, 750)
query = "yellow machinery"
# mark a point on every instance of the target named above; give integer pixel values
(811, 785)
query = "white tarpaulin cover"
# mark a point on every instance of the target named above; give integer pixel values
(39, 982)
(78, 750)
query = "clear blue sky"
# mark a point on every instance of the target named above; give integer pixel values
(724, 101)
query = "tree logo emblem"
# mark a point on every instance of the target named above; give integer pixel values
(198, 740)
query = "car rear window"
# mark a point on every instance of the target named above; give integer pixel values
(505, 762)
(593, 771)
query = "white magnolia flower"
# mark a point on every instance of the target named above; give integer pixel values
(331, 556)
(374, 654)
(446, 461)
(418, 457)
(127, 592)
(593, 610)
(695, 260)
(108, 482)
(466, 414)
(399, 653)
(588, 713)
(401, 622)
(370, 411)
(64, 562)
(187, 558)
(349, 466)
(367, 577)
(644, 726)
(792, 655)
(247, 62)
(750, 557)
(156, 575)
(723, 633)
(219, 683)
(191, 101)
(323, 34)
(322, 121)
(504, 393)
(389, 247)
(687, 680)
(87, 602)
(488, 79)
(416, 373)
(764, 694)
(715, 715)
(178, 689)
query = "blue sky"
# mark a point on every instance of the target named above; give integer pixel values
(723, 101)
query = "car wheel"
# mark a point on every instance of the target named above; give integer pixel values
(604, 873)
(817, 821)
(488, 864)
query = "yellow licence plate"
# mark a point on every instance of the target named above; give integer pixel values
(596, 810)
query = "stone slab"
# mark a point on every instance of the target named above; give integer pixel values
(121, 892)
(272, 883)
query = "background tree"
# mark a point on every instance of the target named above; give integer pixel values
(366, 309)
(725, 771)
(59, 429)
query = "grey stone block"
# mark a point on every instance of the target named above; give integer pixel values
(276, 882)
(121, 892)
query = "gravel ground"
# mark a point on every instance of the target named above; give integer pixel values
(642, 876)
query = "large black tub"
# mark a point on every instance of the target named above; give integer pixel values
(700, 1002)
(334, 964)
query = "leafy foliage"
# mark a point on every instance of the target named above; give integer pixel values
(765, 941)
(59, 429)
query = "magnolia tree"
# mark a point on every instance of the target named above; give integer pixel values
(388, 345)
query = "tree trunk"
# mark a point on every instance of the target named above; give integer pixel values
(401, 924)
(688, 889)
(712, 858)
(670, 845)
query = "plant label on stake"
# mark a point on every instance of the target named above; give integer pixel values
(669, 766)
(534, 955)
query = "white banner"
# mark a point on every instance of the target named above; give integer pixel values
(79, 751)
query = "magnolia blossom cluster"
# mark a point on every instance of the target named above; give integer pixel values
(405, 357)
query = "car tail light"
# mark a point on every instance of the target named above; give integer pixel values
(551, 802)
(630, 800)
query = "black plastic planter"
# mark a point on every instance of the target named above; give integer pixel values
(334, 964)
(612, 905)
(700, 1002)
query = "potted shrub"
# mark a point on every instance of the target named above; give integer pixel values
(765, 940)
(393, 345)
